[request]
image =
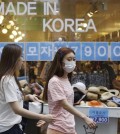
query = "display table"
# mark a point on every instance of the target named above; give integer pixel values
(81, 126)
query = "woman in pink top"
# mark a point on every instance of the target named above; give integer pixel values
(59, 94)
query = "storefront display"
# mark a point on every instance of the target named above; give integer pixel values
(81, 127)
(90, 28)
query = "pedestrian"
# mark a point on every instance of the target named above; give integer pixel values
(11, 96)
(59, 94)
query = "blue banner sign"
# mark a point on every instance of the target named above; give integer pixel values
(32, 51)
(46, 51)
(77, 49)
(88, 51)
(101, 51)
(99, 115)
(115, 51)
(85, 51)
(2, 44)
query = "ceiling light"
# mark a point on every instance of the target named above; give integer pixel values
(19, 32)
(90, 14)
(23, 35)
(16, 40)
(1, 21)
(79, 29)
(60, 39)
(84, 24)
(11, 36)
(17, 28)
(95, 11)
(1, 17)
(12, 23)
(14, 32)
(76, 33)
(19, 38)
(4, 30)
(8, 26)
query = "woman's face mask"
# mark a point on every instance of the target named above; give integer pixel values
(69, 66)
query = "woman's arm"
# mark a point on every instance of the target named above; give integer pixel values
(26, 98)
(31, 98)
(74, 111)
(28, 114)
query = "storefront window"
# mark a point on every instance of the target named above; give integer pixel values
(58, 20)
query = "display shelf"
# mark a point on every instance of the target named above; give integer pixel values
(81, 127)
(113, 111)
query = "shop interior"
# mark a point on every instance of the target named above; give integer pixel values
(29, 28)
(105, 14)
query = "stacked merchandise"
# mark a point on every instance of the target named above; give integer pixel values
(95, 96)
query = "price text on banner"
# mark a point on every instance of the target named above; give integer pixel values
(99, 115)
(85, 51)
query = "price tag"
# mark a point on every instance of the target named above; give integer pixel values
(99, 115)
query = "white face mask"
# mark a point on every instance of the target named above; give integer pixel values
(69, 66)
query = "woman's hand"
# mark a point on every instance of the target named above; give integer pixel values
(90, 122)
(33, 98)
(40, 123)
(48, 118)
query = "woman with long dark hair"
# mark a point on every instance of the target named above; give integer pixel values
(59, 94)
(11, 96)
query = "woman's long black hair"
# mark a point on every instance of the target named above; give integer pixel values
(9, 59)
